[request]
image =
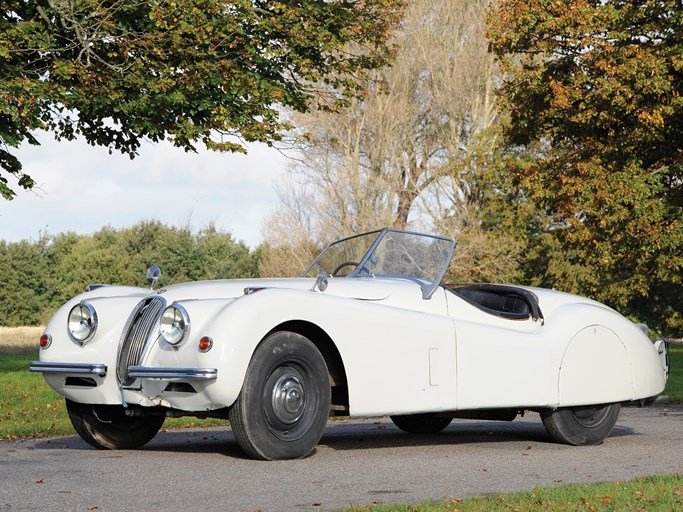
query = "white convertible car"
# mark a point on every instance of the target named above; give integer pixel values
(369, 330)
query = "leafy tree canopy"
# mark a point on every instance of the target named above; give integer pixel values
(119, 71)
(596, 89)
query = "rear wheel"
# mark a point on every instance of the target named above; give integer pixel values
(284, 404)
(583, 425)
(421, 423)
(107, 427)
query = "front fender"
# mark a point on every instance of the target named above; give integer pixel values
(236, 327)
(101, 350)
(406, 357)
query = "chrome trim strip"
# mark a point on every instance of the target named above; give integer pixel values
(69, 368)
(161, 373)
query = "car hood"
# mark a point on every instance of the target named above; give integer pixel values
(356, 288)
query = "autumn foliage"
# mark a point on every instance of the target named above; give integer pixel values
(595, 90)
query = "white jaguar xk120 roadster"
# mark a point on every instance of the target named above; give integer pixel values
(369, 330)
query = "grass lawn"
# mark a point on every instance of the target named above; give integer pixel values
(674, 387)
(648, 494)
(28, 407)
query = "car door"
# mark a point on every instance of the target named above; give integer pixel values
(399, 360)
(502, 360)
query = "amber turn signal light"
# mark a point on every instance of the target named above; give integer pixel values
(205, 343)
(45, 341)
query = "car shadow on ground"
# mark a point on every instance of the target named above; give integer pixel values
(385, 435)
(343, 435)
(196, 440)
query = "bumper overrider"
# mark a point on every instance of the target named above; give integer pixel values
(662, 348)
(135, 372)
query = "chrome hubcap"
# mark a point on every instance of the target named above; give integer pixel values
(288, 398)
(589, 416)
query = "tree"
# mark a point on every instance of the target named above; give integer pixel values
(412, 149)
(22, 282)
(597, 93)
(122, 71)
(38, 277)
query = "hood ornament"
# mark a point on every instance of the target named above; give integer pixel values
(153, 276)
(321, 282)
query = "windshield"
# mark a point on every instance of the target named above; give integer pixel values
(388, 253)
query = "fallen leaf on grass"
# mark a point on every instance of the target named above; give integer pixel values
(454, 501)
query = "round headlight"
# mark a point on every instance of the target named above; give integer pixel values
(175, 324)
(82, 323)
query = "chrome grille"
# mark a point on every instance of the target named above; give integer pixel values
(137, 334)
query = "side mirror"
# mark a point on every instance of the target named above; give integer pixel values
(153, 275)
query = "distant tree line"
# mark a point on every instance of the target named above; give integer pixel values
(36, 277)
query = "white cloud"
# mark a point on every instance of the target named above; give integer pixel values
(83, 188)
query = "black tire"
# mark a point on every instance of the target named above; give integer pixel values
(107, 427)
(284, 404)
(581, 426)
(421, 423)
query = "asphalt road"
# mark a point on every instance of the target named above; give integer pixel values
(358, 462)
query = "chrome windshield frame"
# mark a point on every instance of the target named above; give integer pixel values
(428, 287)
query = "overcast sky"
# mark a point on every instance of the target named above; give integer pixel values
(83, 188)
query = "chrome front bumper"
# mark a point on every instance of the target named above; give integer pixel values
(136, 372)
(146, 372)
(69, 368)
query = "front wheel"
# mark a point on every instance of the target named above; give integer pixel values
(421, 423)
(581, 426)
(107, 427)
(284, 404)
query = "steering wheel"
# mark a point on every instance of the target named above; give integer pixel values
(353, 264)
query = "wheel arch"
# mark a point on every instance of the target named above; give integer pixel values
(335, 364)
